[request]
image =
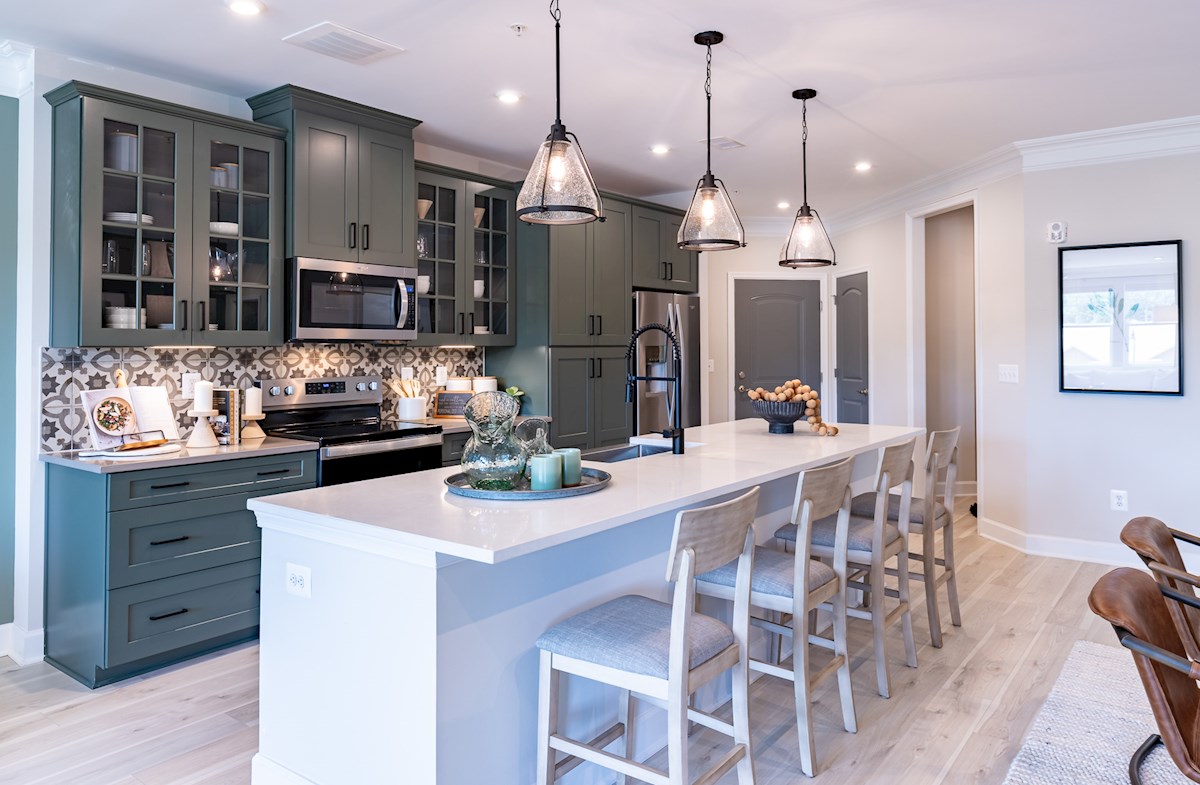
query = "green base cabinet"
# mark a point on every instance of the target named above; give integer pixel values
(146, 568)
(658, 262)
(587, 397)
(452, 447)
(168, 224)
(350, 177)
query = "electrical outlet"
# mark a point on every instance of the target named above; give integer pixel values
(1119, 500)
(406, 372)
(298, 580)
(1009, 374)
(710, 365)
(189, 384)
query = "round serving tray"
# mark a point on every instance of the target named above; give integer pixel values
(591, 480)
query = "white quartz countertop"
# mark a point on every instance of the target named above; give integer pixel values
(250, 448)
(415, 510)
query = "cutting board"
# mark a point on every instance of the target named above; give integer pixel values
(129, 455)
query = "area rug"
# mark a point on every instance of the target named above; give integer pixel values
(1094, 718)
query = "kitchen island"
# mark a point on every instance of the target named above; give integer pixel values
(398, 621)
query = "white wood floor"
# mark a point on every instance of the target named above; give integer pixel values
(957, 719)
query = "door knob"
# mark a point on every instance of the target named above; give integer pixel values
(741, 388)
(863, 391)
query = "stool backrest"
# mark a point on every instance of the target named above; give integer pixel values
(820, 493)
(941, 454)
(1153, 542)
(716, 534)
(895, 466)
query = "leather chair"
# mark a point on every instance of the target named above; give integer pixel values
(1134, 604)
(1154, 542)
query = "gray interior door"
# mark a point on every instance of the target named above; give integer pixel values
(777, 326)
(851, 362)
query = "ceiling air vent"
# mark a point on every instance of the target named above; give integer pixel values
(724, 143)
(343, 43)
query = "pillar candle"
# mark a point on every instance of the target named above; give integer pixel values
(254, 401)
(571, 467)
(546, 472)
(203, 400)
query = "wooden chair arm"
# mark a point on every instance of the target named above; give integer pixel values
(1170, 572)
(1181, 535)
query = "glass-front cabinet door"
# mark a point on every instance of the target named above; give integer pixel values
(490, 288)
(237, 278)
(440, 254)
(136, 177)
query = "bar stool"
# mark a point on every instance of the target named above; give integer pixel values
(660, 653)
(795, 585)
(870, 543)
(941, 455)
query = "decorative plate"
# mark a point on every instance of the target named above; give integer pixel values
(590, 481)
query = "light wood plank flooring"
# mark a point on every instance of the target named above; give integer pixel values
(959, 718)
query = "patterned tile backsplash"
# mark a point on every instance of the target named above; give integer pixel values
(67, 371)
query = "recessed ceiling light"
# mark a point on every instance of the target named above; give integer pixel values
(659, 149)
(246, 7)
(508, 96)
(783, 205)
(862, 166)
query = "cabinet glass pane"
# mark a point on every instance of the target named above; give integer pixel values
(447, 206)
(425, 245)
(428, 193)
(158, 254)
(254, 308)
(499, 284)
(445, 243)
(256, 216)
(222, 261)
(120, 199)
(481, 283)
(256, 171)
(224, 165)
(118, 252)
(222, 308)
(120, 146)
(256, 263)
(499, 318)
(482, 215)
(481, 247)
(445, 281)
(444, 316)
(158, 300)
(500, 250)
(223, 209)
(120, 310)
(158, 158)
(499, 215)
(158, 204)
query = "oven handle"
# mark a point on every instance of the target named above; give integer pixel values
(402, 297)
(383, 445)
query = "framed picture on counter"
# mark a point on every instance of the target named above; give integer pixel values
(1120, 320)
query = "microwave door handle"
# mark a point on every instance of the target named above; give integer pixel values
(401, 297)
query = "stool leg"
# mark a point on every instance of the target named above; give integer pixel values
(878, 616)
(677, 735)
(741, 715)
(547, 717)
(903, 588)
(625, 748)
(842, 649)
(952, 580)
(929, 566)
(801, 687)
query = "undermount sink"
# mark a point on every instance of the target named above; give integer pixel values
(622, 452)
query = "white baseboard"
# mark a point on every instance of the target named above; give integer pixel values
(25, 647)
(966, 488)
(1115, 553)
(264, 771)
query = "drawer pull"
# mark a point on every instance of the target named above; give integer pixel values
(273, 471)
(173, 539)
(170, 485)
(162, 616)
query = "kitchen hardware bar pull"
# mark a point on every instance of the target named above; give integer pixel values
(184, 304)
(664, 270)
(183, 484)
(200, 306)
(162, 616)
(670, 271)
(600, 368)
(599, 324)
(591, 325)
(273, 471)
(366, 236)
(591, 368)
(461, 321)
(173, 539)
(472, 315)
(353, 234)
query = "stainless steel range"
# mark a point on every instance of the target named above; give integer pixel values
(344, 416)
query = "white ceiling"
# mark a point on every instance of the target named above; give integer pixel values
(914, 86)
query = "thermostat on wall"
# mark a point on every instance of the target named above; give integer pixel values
(1056, 232)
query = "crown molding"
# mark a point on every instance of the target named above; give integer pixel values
(16, 68)
(1109, 145)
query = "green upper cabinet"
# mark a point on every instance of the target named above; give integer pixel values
(589, 282)
(350, 177)
(658, 262)
(168, 224)
(466, 249)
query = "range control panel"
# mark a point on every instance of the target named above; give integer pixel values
(320, 391)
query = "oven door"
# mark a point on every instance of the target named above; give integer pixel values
(346, 301)
(344, 463)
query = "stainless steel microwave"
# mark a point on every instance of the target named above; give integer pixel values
(347, 301)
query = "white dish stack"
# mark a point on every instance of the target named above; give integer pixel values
(124, 318)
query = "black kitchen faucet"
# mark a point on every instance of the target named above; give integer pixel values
(675, 432)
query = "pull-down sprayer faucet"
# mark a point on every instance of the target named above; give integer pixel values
(675, 433)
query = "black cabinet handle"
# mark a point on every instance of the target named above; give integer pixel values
(366, 236)
(183, 484)
(591, 368)
(183, 303)
(664, 270)
(600, 369)
(591, 325)
(462, 319)
(173, 539)
(670, 271)
(200, 306)
(599, 324)
(273, 471)
(472, 315)
(161, 616)
(353, 234)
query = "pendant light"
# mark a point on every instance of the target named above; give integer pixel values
(808, 243)
(711, 223)
(559, 188)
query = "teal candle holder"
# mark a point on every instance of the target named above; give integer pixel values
(571, 466)
(546, 472)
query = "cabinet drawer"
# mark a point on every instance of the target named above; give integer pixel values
(171, 539)
(180, 483)
(158, 616)
(452, 447)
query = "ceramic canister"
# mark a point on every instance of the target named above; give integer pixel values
(483, 384)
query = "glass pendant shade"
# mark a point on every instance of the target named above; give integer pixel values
(808, 243)
(711, 223)
(559, 188)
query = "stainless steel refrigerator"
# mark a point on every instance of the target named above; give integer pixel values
(681, 314)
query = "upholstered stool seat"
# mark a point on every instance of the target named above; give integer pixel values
(858, 537)
(633, 634)
(864, 505)
(774, 573)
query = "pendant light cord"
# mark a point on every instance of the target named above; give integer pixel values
(708, 98)
(557, 15)
(804, 146)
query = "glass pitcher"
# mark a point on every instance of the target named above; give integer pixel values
(493, 459)
(534, 435)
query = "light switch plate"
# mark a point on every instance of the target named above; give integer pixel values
(710, 365)
(188, 384)
(406, 372)
(1009, 374)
